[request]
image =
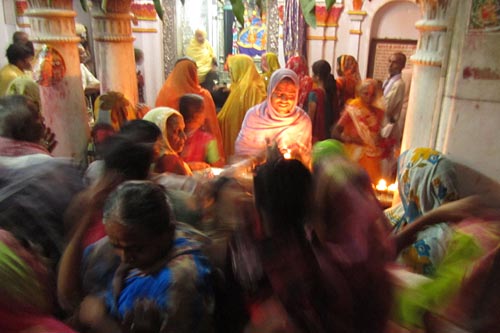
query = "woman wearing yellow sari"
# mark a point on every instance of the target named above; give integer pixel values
(201, 51)
(247, 89)
(269, 64)
(359, 129)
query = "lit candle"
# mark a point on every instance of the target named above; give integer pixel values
(288, 154)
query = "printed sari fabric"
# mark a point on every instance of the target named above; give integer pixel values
(184, 80)
(247, 90)
(361, 135)
(179, 288)
(426, 180)
(298, 64)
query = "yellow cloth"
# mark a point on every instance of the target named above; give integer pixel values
(7, 74)
(247, 89)
(203, 54)
(26, 86)
(273, 64)
(113, 108)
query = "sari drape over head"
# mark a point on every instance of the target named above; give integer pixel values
(247, 90)
(202, 54)
(348, 77)
(113, 108)
(362, 124)
(298, 64)
(183, 80)
(272, 64)
(263, 124)
(159, 116)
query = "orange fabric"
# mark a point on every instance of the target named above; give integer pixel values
(184, 80)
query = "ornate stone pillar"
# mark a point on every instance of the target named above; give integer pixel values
(115, 49)
(272, 26)
(169, 36)
(63, 101)
(424, 105)
(356, 17)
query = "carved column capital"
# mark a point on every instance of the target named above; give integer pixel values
(432, 27)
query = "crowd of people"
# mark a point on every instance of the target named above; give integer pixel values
(287, 236)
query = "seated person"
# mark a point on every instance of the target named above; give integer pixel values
(200, 150)
(91, 85)
(171, 124)
(156, 270)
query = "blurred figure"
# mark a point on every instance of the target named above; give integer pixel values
(91, 85)
(139, 60)
(125, 158)
(200, 150)
(322, 105)
(183, 80)
(201, 51)
(217, 89)
(161, 275)
(247, 90)
(20, 57)
(299, 299)
(426, 180)
(349, 236)
(27, 87)
(298, 64)
(35, 188)
(171, 124)
(269, 64)
(114, 109)
(359, 129)
(277, 120)
(20, 37)
(348, 78)
(327, 149)
(25, 305)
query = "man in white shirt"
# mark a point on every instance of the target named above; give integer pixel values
(89, 82)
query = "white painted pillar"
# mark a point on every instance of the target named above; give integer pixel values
(112, 33)
(355, 31)
(63, 101)
(424, 105)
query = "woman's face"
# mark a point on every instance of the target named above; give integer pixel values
(284, 96)
(367, 94)
(135, 246)
(176, 136)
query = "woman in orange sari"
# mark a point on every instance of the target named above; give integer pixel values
(359, 128)
(247, 89)
(184, 80)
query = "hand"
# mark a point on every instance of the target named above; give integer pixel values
(49, 139)
(146, 317)
(92, 311)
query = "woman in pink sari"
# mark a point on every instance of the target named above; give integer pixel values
(298, 64)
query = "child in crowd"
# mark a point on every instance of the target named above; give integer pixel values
(200, 150)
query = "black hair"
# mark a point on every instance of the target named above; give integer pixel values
(401, 58)
(139, 203)
(20, 119)
(282, 190)
(189, 105)
(129, 158)
(19, 51)
(323, 70)
(139, 130)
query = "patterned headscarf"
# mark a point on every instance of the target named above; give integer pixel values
(298, 64)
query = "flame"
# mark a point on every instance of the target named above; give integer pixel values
(381, 185)
(393, 187)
